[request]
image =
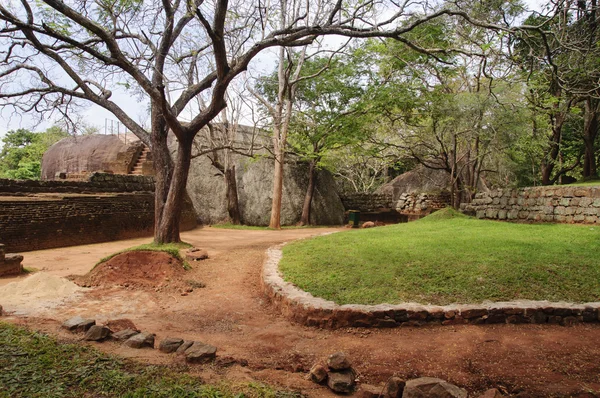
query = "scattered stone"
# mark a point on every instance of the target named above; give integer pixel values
(367, 391)
(318, 373)
(97, 333)
(341, 381)
(368, 224)
(394, 387)
(195, 254)
(124, 334)
(338, 361)
(116, 325)
(431, 387)
(170, 344)
(200, 352)
(183, 347)
(491, 393)
(78, 324)
(225, 362)
(141, 340)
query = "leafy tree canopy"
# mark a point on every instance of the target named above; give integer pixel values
(22, 151)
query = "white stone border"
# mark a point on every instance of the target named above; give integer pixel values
(306, 309)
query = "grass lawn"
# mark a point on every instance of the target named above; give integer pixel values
(591, 183)
(256, 227)
(35, 365)
(449, 258)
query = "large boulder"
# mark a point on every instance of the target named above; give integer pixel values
(75, 155)
(254, 178)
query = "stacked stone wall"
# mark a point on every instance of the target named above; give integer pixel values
(422, 203)
(38, 215)
(95, 183)
(538, 204)
(367, 202)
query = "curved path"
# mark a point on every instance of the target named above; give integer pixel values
(231, 313)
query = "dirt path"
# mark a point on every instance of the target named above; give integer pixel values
(230, 312)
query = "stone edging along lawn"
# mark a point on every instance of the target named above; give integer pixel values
(302, 307)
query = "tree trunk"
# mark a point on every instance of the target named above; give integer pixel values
(167, 224)
(275, 221)
(590, 132)
(549, 160)
(312, 173)
(163, 165)
(233, 207)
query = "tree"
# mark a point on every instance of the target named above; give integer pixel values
(454, 112)
(328, 115)
(22, 151)
(56, 54)
(561, 60)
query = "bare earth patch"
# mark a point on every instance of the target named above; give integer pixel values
(231, 313)
(136, 269)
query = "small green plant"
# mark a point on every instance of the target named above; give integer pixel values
(171, 248)
(36, 365)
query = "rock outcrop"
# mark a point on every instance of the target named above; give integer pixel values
(84, 154)
(254, 179)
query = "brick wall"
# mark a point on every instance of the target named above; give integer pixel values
(96, 182)
(543, 204)
(43, 215)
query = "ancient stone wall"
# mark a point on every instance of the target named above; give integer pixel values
(542, 204)
(367, 202)
(422, 203)
(96, 183)
(407, 203)
(41, 215)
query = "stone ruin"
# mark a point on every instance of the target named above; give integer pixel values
(10, 264)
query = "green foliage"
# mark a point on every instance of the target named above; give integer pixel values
(22, 151)
(448, 258)
(36, 365)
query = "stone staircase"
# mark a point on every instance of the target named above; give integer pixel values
(138, 166)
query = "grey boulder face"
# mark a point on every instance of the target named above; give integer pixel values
(79, 154)
(430, 387)
(254, 179)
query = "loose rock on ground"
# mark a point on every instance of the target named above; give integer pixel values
(141, 340)
(170, 344)
(200, 352)
(431, 387)
(78, 324)
(97, 333)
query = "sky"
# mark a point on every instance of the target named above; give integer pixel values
(102, 119)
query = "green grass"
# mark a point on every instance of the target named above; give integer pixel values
(170, 248)
(259, 228)
(242, 227)
(35, 365)
(449, 258)
(591, 183)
